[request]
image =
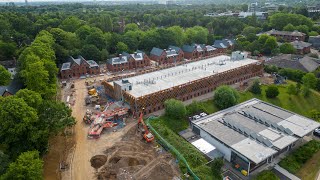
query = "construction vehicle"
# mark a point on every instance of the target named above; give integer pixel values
(88, 118)
(106, 119)
(92, 92)
(147, 135)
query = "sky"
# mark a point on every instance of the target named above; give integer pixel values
(60, 0)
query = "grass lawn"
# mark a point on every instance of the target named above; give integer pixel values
(310, 169)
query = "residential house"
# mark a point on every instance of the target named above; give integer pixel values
(315, 41)
(301, 47)
(209, 50)
(126, 61)
(305, 63)
(76, 68)
(287, 36)
(164, 56)
(223, 45)
(15, 85)
(179, 52)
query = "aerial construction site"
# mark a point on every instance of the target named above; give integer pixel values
(112, 141)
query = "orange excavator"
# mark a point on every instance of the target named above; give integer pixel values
(147, 135)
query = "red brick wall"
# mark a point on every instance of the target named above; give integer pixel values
(160, 59)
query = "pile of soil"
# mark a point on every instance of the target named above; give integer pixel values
(98, 161)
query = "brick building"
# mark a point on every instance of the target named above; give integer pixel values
(301, 47)
(78, 67)
(182, 82)
(195, 51)
(223, 45)
(126, 61)
(164, 56)
(287, 36)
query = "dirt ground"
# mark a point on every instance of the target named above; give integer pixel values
(133, 158)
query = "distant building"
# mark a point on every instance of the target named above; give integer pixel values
(251, 134)
(260, 15)
(15, 85)
(315, 41)
(305, 63)
(164, 56)
(301, 47)
(254, 7)
(286, 35)
(314, 9)
(76, 68)
(126, 61)
(223, 45)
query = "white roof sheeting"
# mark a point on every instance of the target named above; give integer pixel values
(299, 125)
(252, 150)
(203, 146)
(167, 78)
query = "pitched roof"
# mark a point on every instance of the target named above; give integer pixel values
(171, 52)
(15, 85)
(137, 56)
(300, 44)
(290, 33)
(118, 60)
(65, 66)
(80, 60)
(156, 51)
(306, 63)
(92, 63)
(175, 48)
(188, 48)
(198, 47)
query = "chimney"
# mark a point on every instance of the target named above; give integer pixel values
(135, 53)
(120, 56)
(170, 49)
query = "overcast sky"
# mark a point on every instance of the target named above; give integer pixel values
(61, 0)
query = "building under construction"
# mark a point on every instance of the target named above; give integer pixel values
(183, 82)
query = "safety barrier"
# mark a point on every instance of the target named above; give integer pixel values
(171, 148)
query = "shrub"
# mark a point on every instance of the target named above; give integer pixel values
(225, 97)
(267, 175)
(255, 88)
(292, 89)
(175, 109)
(272, 91)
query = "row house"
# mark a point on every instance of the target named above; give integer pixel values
(287, 36)
(195, 51)
(126, 61)
(223, 45)
(76, 68)
(164, 56)
(301, 47)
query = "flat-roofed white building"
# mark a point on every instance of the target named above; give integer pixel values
(253, 133)
(183, 82)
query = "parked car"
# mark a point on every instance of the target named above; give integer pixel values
(316, 132)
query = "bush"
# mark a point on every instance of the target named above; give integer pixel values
(194, 107)
(272, 91)
(270, 69)
(216, 166)
(309, 80)
(292, 74)
(225, 97)
(267, 175)
(292, 89)
(175, 109)
(297, 158)
(255, 88)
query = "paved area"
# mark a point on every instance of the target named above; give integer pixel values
(286, 173)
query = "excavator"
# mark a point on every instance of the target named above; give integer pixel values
(147, 135)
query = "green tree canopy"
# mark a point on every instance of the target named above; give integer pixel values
(309, 80)
(131, 27)
(90, 51)
(225, 96)
(122, 47)
(32, 98)
(287, 48)
(292, 89)
(27, 166)
(175, 109)
(272, 91)
(4, 162)
(5, 76)
(71, 24)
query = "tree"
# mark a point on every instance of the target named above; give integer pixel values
(32, 98)
(4, 162)
(225, 96)
(194, 107)
(305, 91)
(270, 44)
(313, 33)
(255, 88)
(71, 24)
(309, 80)
(105, 23)
(5, 76)
(289, 27)
(122, 47)
(90, 51)
(272, 91)
(131, 27)
(27, 166)
(19, 130)
(179, 35)
(175, 109)
(55, 116)
(292, 89)
(287, 48)
(216, 166)
(98, 39)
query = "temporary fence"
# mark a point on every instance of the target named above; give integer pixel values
(170, 147)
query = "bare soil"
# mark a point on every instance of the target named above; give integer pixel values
(133, 158)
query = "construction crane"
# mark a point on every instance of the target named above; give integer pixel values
(147, 135)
